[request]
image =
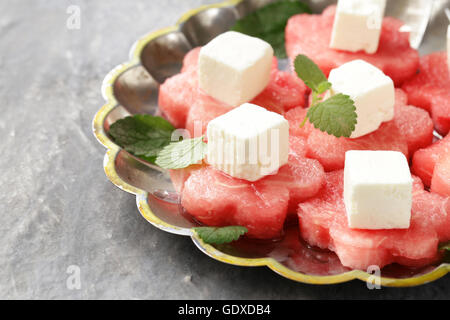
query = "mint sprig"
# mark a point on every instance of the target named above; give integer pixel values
(150, 138)
(214, 235)
(269, 23)
(182, 154)
(336, 115)
(143, 136)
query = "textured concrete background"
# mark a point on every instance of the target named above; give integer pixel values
(57, 208)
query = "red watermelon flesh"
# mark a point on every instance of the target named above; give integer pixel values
(303, 177)
(323, 223)
(295, 117)
(216, 199)
(441, 177)
(411, 128)
(179, 176)
(183, 103)
(219, 200)
(176, 96)
(310, 35)
(424, 160)
(299, 256)
(206, 108)
(297, 146)
(284, 92)
(418, 136)
(415, 126)
(430, 89)
(190, 61)
(330, 151)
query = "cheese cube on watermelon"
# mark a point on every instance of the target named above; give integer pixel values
(234, 68)
(377, 190)
(248, 142)
(371, 90)
(357, 25)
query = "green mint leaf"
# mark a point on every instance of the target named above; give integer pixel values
(182, 154)
(336, 116)
(212, 235)
(142, 135)
(310, 73)
(269, 23)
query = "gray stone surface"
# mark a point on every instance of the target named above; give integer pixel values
(57, 207)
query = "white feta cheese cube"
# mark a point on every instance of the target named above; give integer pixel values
(357, 25)
(234, 68)
(249, 142)
(372, 91)
(377, 190)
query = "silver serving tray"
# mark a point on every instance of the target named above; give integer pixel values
(132, 88)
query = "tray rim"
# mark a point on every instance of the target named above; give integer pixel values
(142, 196)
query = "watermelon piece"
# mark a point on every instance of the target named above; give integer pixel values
(295, 117)
(299, 256)
(176, 96)
(302, 177)
(202, 111)
(179, 176)
(430, 89)
(186, 106)
(441, 177)
(323, 223)
(415, 126)
(330, 151)
(310, 35)
(216, 199)
(190, 61)
(424, 160)
(411, 129)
